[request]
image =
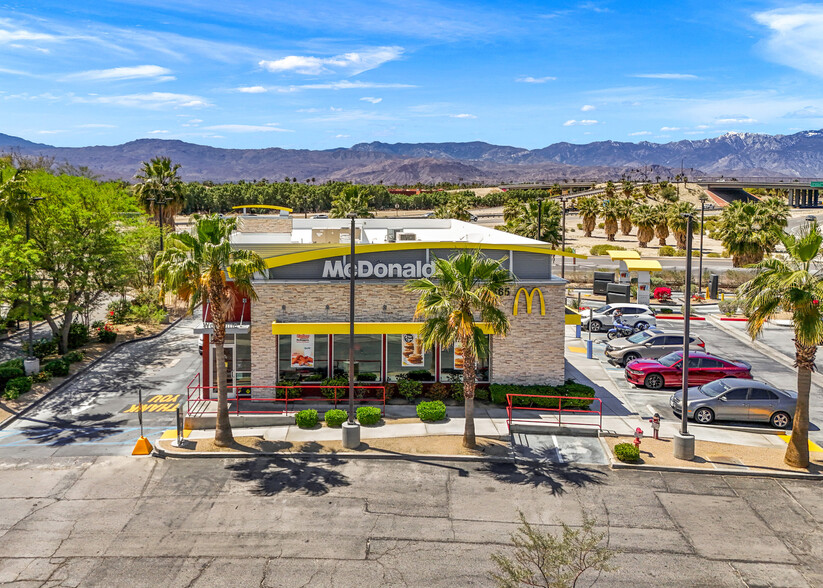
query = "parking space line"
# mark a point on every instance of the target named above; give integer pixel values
(812, 445)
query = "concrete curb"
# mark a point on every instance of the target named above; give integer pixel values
(71, 378)
(20, 332)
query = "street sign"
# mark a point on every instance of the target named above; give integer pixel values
(816, 184)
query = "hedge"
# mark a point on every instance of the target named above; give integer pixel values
(368, 415)
(335, 417)
(570, 388)
(431, 411)
(57, 367)
(306, 419)
(626, 452)
(17, 386)
(604, 249)
(9, 373)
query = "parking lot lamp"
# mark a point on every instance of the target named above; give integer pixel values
(563, 242)
(539, 218)
(351, 430)
(703, 199)
(683, 441)
(31, 364)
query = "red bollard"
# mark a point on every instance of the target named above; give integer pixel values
(655, 421)
(638, 433)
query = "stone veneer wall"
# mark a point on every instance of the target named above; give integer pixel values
(532, 353)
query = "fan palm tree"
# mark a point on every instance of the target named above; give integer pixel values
(749, 230)
(661, 228)
(626, 206)
(457, 206)
(611, 214)
(160, 184)
(646, 219)
(525, 221)
(202, 266)
(589, 207)
(678, 223)
(609, 190)
(792, 283)
(350, 200)
(461, 288)
(627, 188)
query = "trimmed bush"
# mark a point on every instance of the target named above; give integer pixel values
(74, 356)
(626, 452)
(438, 391)
(9, 373)
(667, 251)
(569, 388)
(57, 367)
(330, 393)
(78, 335)
(15, 363)
(306, 419)
(727, 307)
(431, 411)
(457, 391)
(16, 387)
(367, 377)
(335, 417)
(408, 388)
(42, 377)
(368, 415)
(604, 248)
(419, 375)
(481, 393)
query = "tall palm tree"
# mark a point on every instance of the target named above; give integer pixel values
(589, 208)
(645, 217)
(526, 221)
(203, 267)
(463, 287)
(661, 228)
(626, 206)
(609, 190)
(159, 182)
(678, 223)
(611, 214)
(792, 283)
(627, 188)
(351, 200)
(457, 206)
(749, 230)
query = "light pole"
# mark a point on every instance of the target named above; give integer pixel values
(563, 244)
(703, 199)
(351, 430)
(539, 218)
(683, 441)
(31, 365)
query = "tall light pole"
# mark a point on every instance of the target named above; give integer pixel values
(683, 441)
(351, 430)
(539, 218)
(31, 365)
(563, 243)
(703, 199)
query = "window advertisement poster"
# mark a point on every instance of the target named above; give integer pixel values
(412, 351)
(302, 351)
(458, 355)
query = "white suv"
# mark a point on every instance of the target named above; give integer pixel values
(639, 316)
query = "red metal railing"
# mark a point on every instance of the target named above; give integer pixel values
(245, 400)
(510, 408)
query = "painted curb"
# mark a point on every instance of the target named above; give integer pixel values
(71, 378)
(677, 317)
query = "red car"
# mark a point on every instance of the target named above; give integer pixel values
(668, 370)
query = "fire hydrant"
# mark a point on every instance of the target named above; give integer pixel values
(655, 421)
(638, 433)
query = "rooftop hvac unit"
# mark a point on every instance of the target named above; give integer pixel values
(391, 235)
(406, 236)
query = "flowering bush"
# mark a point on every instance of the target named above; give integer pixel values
(662, 293)
(106, 333)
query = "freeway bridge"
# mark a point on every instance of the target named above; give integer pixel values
(799, 192)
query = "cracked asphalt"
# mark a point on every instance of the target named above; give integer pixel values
(123, 521)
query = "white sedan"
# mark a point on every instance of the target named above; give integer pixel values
(638, 316)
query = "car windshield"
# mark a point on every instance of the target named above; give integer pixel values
(715, 388)
(602, 309)
(670, 359)
(640, 337)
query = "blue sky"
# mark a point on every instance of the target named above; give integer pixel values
(320, 74)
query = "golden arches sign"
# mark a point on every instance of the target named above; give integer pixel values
(529, 299)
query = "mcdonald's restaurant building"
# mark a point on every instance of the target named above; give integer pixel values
(298, 329)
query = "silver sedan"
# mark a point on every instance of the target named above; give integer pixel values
(734, 399)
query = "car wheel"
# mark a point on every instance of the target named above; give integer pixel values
(654, 381)
(641, 326)
(596, 326)
(780, 420)
(631, 356)
(704, 416)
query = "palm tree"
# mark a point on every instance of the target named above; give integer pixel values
(611, 213)
(350, 200)
(524, 221)
(792, 283)
(661, 228)
(626, 206)
(628, 190)
(196, 267)
(160, 184)
(456, 206)
(589, 208)
(749, 230)
(678, 223)
(609, 189)
(645, 217)
(462, 287)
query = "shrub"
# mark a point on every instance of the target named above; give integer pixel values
(580, 226)
(713, 254)
(119, 311)
(74, 356)
(106, 333)
(601, 225)
(147, 314)
(438, 391)
(17, 386)
(667, 251)
(138, 330)
(420, 375)
(306, 419)
(408, 388)
(626, 452)
(727, 307)
(41, 347)
(15, 363)
(664, 311)
(287, 392)
(569, 388)
(662, 293)
(431, 411)
(57, 367)
(457, 391)
(43, 376)
(604, 248)
(332, 393)
(368, 415)
(367, 377)
(391, 390)
(481, 393)
(78, 335)
(335, 417)
(9, 373)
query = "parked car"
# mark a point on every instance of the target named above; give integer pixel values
(639, 316)
(650, 343)
(668, 370)
(320, 216)
(200, 344)
(735, 399)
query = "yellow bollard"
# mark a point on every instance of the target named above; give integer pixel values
(722, 296)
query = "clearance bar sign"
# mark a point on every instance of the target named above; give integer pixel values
(157, 403)
(529, 300)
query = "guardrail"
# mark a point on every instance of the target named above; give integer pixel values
(510, 408)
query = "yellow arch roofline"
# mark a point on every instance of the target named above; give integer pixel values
(325, 251)
(267, 206)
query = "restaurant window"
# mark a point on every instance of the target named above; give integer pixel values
(368, 356)
(242, 362)
(452, 371)
(303, 357)
(404, 354)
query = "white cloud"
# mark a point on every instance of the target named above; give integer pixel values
(158, 132)
(531, 80)
(702, 127)
(9, 36)
(462, 115)
(123, 73)
(806, 112)
(666, 129)
(587, 108)
(796, 36)
(342, 136)
(372, 100)
(341, 85)
(353, 63)
(734, 120)
(96, 126)
(153, 100)
(574, 123)
(252, 90)
(49, 132)
(639, 133)
(667, 76)
(267, 128)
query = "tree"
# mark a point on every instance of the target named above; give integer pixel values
(661, 228)
(541, 559)
(646, 218)
(609, 190)
(160, 184)
(351, 200)
(611, 214)
(626, 206)
(525, 221)
(462, 287)
(14, 197)
(456, 206)
(678, 223)
(196, 267)
(589, 208)
(627, 188)
(749, 230)
(792, 283)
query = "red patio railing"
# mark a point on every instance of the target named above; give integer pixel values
(510, 408)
